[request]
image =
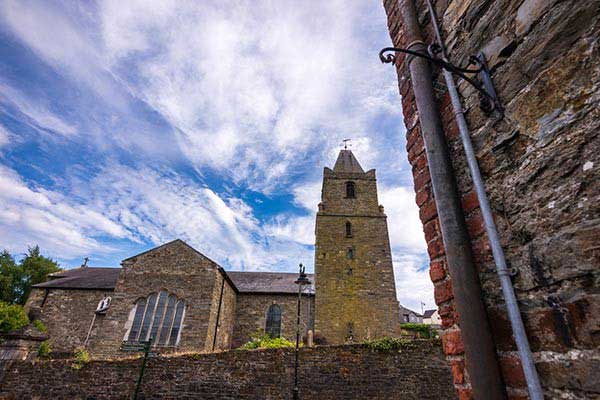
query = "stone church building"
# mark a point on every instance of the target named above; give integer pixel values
(185, 301)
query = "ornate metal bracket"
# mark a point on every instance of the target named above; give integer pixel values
(488, 100)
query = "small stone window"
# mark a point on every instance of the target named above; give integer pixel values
(350, 190)
(159, 316)
(350, 253)
(273, 326)
(348, 229)
(350, 332)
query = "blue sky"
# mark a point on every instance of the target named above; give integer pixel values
(124, 125)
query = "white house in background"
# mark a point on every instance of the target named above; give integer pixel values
(409, 316)
(431, 317)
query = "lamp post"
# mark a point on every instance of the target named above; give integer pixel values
(301, 281)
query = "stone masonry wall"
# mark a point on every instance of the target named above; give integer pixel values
(251, 315)
(325, 373)
(226, 316)
(66, 313)
(541, 169)
(355, 295)
(177, 268)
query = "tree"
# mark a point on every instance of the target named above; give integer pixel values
(16, 279)
(10, 278)
(12, 317)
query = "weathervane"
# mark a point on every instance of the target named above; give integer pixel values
(345, 141)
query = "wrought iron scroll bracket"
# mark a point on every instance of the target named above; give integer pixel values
(488, 100)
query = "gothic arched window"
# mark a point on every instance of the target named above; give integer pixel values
(350, 190)
(348, 229)
(158, 317)
(273, 326)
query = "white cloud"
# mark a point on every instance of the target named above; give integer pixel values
(409, 250)
(250, 86)
(260, 92)
(4, 136)
(38, 115)
(308, 195)
(406, 230)
(296, 229)
(142, 206)
(158, 206)
(32, 215)
(413, 284)
(63, 43)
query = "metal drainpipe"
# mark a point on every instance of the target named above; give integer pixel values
(531, 375)
(480, 353)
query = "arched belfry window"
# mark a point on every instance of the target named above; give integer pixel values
(158, 316)
(273, 326)
(348, 229)
(350, 190)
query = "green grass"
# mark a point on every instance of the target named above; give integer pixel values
(39, 325)
(424, 330)
(45, 350)
(388, 344)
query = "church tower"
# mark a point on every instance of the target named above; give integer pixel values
(354, 279)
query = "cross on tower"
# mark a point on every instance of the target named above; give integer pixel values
(345, 141)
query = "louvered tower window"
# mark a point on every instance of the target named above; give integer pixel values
(350, 190)
(348, 229)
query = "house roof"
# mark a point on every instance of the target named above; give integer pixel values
(106, 279)
(267, 282)
(408, 310)
(429, 313)
(346, 162)
(83, 278)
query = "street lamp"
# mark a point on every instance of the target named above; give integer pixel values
(301, 281)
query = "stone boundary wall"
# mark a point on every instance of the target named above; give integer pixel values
(418, 371)
(541, 167)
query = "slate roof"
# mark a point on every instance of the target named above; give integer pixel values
(83, 278)
(346, 162)
(268, 282)
(428, 313)
(408, 310)
(106, 279)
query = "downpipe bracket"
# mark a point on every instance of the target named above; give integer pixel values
(488, 99)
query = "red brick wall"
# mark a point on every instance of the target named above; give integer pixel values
(540, 165)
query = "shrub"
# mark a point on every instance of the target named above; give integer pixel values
(388, 344)
(80, 357)
(264, 341)
(424, 330)
(12, 317)
(39, 325)
(44, 351)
